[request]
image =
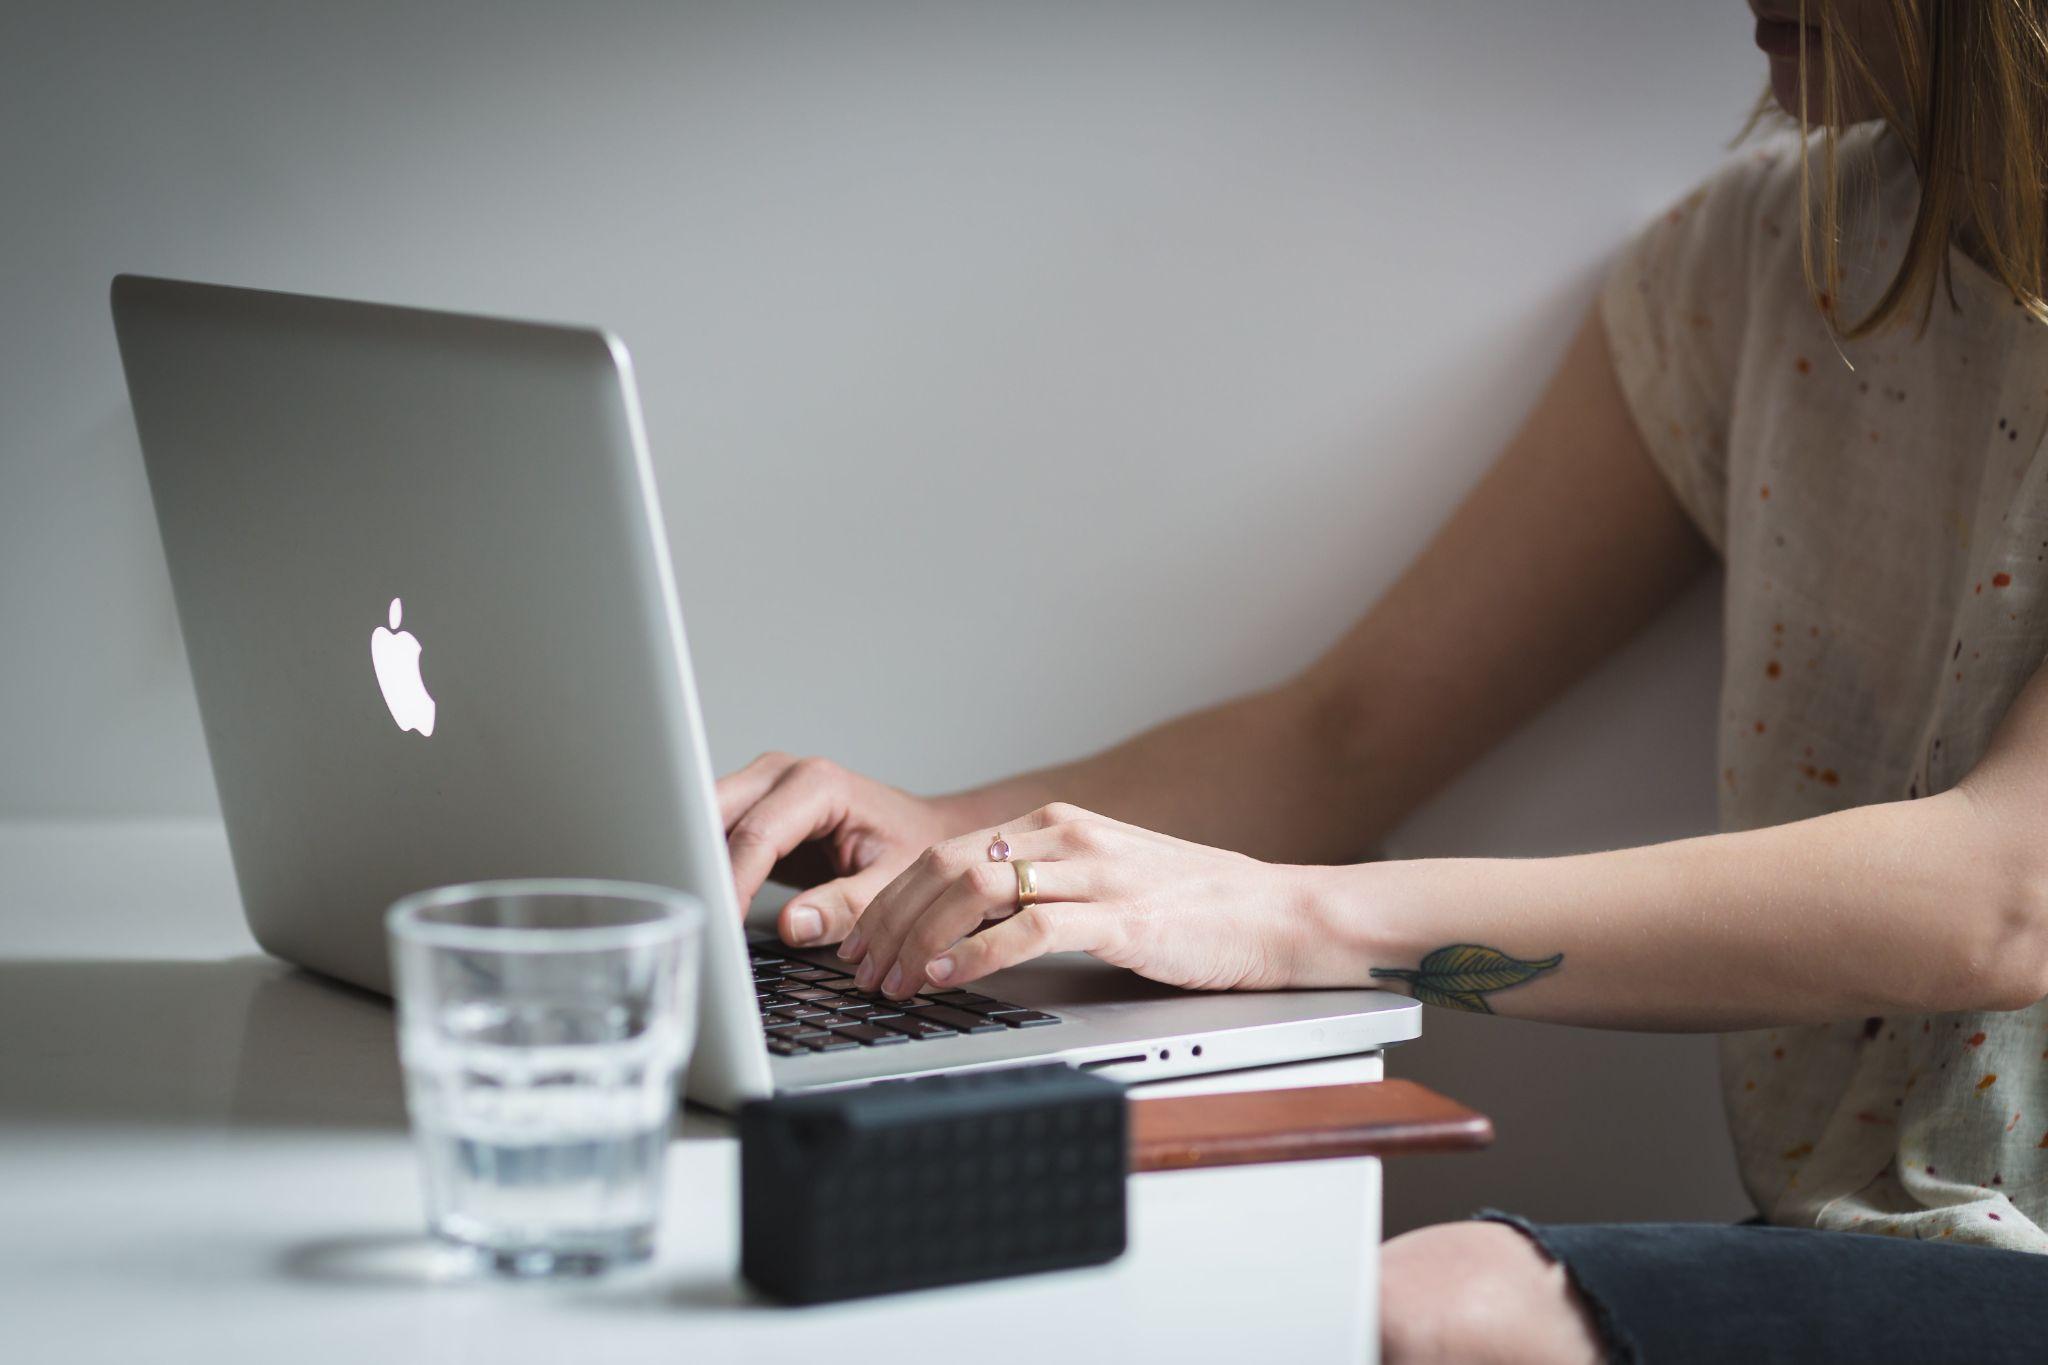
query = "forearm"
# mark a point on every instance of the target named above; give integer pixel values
(1908, 907)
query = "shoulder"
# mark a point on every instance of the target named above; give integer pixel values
(1725, 264)
(1736, 235)
(1742, 217)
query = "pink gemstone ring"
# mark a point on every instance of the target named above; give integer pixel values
(998, 851)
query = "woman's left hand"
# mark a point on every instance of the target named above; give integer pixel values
(1185, 914)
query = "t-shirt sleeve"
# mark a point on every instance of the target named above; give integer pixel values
(1675, 306)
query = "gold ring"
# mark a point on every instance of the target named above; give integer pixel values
(1027, 882)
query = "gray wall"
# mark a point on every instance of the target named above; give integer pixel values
(1162, 333)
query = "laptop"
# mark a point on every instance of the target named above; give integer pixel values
(425, 591)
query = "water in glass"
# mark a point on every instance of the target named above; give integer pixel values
(542, 1083)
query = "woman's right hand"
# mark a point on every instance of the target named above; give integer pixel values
(835, 835)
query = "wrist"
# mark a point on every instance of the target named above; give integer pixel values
(1352, 918)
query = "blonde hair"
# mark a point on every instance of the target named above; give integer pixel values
(1974, 125)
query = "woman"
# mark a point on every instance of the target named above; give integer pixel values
(1827, 368)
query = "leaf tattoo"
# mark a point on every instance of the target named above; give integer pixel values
(1461, 975)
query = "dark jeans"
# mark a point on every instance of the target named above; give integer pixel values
(1679, 1293)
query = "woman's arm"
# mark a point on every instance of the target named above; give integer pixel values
(1568, 545)
(1911, 907)
(1915, 907)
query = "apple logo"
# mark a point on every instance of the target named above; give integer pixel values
(395, 654)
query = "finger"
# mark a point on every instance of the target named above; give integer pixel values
(1050, 927)
(825, 914)
(916, 887)
(985, 892)
(801, 806)
(931, 872)
(738, 791)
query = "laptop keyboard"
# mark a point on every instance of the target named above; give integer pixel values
(813, 1007)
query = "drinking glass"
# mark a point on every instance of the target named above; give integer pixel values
(542, 1025)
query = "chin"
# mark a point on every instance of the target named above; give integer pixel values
(1785, 89)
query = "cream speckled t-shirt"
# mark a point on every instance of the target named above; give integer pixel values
(1885, 531)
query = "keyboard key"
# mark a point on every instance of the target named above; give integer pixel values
(960, 999)
(961, 1020)
(910, 1026)
(800, 1012)
(855, 1009)
(835, 983)
(877, 998)
(805, 1033)
(774, 1025)
(868, 1034)
(831, 1042)
(865, 997)
(1016, 1018)
(784, 1047)
(984, 1005)
(981, 1004)
(804, 973)
(806, 993)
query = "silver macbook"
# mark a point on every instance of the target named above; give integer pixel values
(425, 589)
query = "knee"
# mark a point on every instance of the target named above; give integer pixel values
(1474, 1293)
(1428, 1295)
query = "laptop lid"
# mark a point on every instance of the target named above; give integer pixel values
(425, 589)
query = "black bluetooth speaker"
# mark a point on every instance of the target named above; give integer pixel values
(909, 1184)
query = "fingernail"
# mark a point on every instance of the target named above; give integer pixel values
(850, 949)
(892, 984)
(805, 924)
(940, 970)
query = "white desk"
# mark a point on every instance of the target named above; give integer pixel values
(203, 1156)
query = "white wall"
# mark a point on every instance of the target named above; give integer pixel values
(1157, 336)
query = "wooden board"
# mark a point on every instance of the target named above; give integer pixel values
(1381, 1118)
